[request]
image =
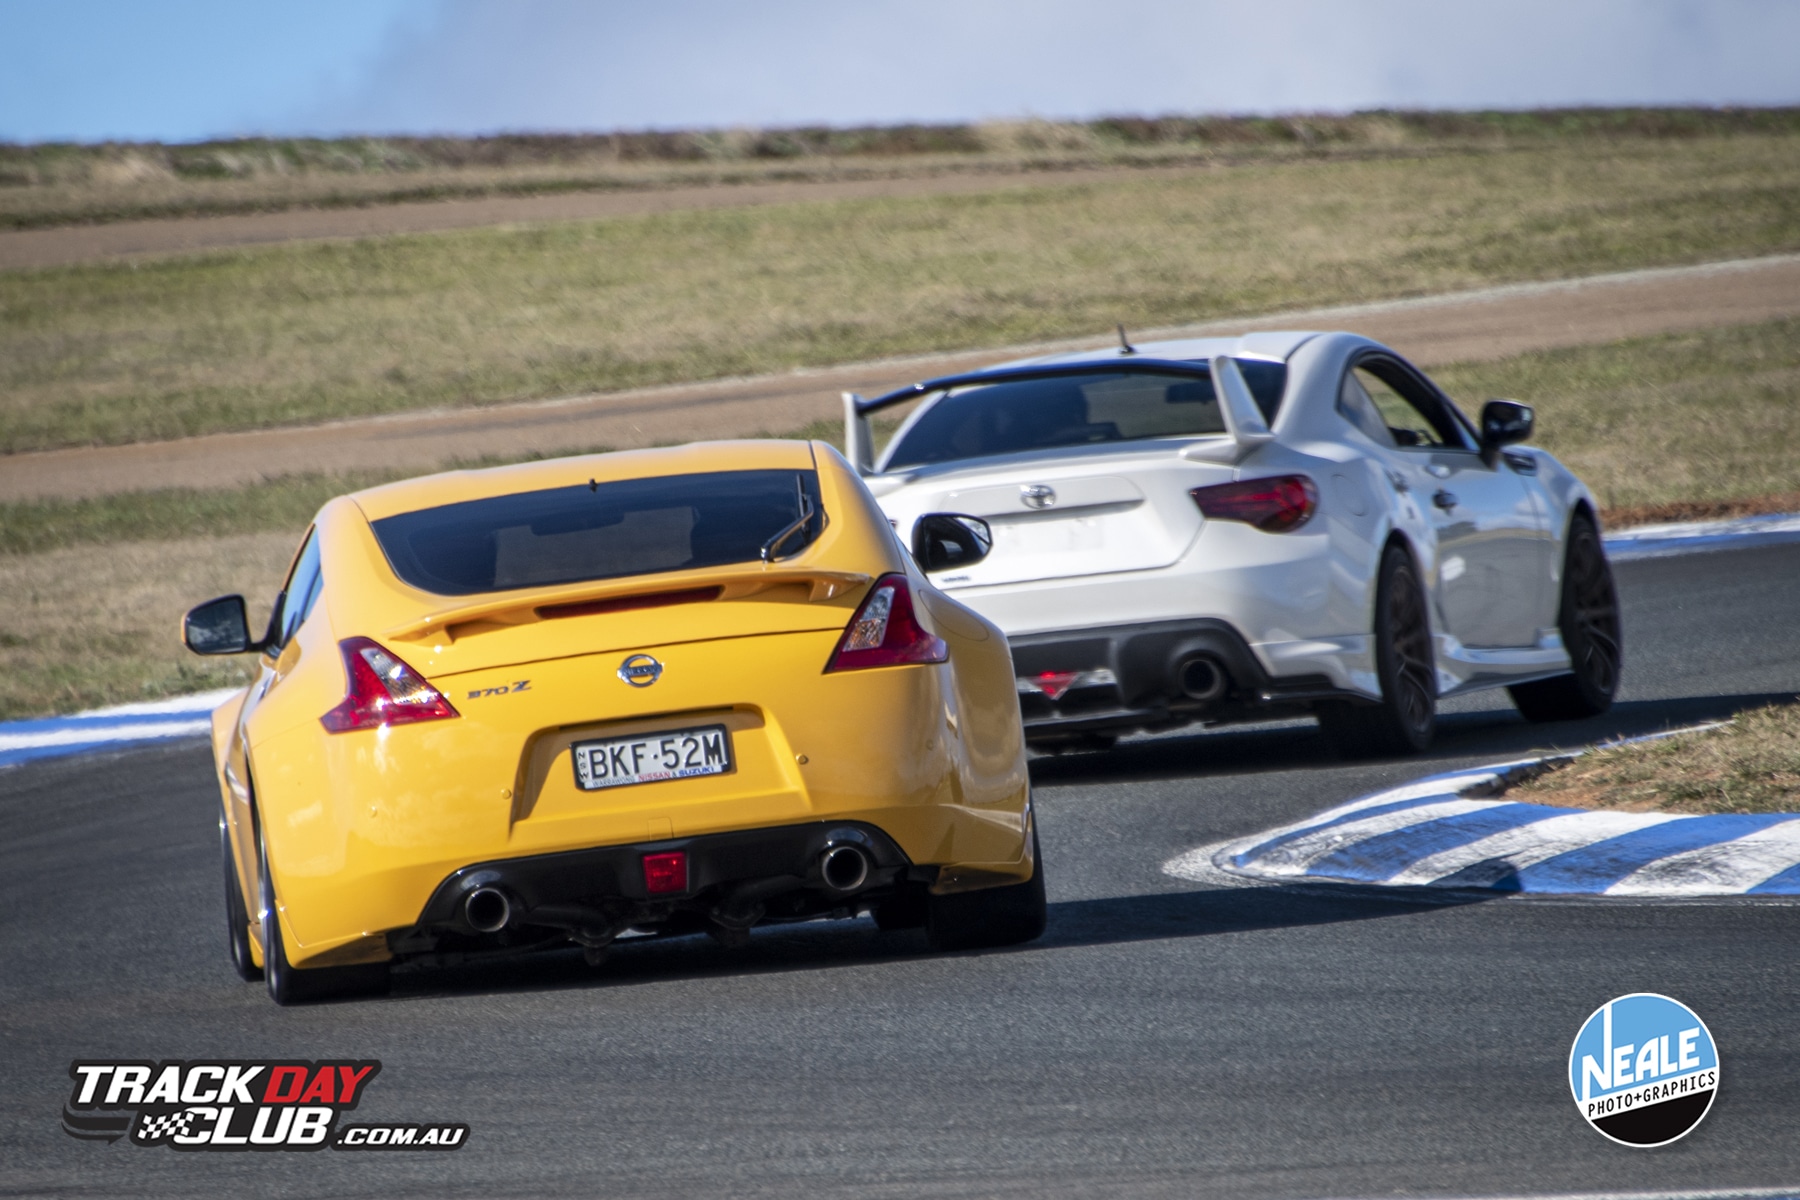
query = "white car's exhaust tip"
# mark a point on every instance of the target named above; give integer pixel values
(1202, 678)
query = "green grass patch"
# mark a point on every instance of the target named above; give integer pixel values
(307, 332)
(1751, 765)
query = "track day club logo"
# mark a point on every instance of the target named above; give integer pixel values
(216, 1105)
(1644, 1069)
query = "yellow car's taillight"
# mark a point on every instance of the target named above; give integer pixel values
(382, 690)
(885, 633)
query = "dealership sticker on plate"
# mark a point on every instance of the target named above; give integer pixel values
(1644, 1069)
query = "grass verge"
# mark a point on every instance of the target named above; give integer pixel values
(302, 333)
(1751, 765)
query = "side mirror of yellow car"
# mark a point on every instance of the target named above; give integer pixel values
(220, 626)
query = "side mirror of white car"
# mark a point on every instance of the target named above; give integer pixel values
(1504, 422)
(941, 541)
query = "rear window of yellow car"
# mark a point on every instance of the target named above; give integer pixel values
(608, 530)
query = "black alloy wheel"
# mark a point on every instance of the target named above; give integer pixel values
(1001, 916)
(289, 984)
(1589, 621)
(237, 915)
(1405, 720)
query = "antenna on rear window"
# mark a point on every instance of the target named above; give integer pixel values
(1125, 346)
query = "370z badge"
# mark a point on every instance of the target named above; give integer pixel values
(218, 1105)
(1644, 1069)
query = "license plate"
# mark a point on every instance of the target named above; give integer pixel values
(652, 757)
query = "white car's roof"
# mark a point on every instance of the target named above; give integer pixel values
(1276, 345)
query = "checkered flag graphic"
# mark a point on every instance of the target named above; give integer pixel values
(156, 1128)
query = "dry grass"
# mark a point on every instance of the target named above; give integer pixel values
(61, 183)
(1679, 427)
(92, 625)
(1751, 765)
(300, 333)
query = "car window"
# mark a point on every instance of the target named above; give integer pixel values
(295, 601)
(603, 530)
(1414, 416)
(1357, 407)
(1076, 410)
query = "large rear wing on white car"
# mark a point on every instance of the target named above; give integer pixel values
(1244, 422)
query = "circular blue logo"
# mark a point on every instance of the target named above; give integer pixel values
(1644, 1069)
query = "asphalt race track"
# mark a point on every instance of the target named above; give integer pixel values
(1160, 1040)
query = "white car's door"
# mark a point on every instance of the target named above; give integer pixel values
(1493, 543)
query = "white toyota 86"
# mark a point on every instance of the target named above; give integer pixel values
(1233, 529)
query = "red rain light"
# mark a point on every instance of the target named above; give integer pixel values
(665, 873)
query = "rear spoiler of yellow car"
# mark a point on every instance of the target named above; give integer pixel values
(618, 595)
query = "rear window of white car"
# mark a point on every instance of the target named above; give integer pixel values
(1076, 410)
(603, 530)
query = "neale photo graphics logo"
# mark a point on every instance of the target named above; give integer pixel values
(217, 1105)
(1644, 1069)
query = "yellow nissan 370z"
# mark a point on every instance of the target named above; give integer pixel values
(657, 692)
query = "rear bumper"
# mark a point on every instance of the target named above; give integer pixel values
(733, 881)
(1146, 664)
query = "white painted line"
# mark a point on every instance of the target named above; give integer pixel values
(110, 734)
(1696, 537)
(1728, 867)
(1786, 1193)
(192, 702)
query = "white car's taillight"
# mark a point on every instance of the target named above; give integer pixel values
(1275, 505)
(885, 633)
(382, 690)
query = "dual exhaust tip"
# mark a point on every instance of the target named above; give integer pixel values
(843, 868)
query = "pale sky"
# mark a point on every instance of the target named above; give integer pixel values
(182, 70)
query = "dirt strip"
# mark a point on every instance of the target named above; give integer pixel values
(1462, 327)
(71, 244)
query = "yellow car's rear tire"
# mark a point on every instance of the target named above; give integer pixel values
(289, 984)
(1002, 916)
(237, 916)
